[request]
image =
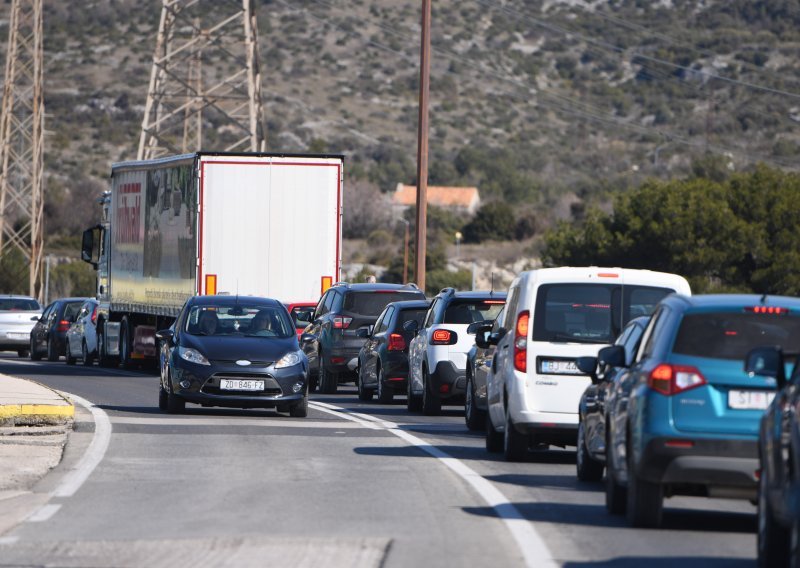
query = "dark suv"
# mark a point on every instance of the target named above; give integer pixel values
(332, 342)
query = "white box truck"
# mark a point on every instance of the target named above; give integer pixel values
(210, 223)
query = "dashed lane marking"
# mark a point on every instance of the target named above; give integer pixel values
(44, 513)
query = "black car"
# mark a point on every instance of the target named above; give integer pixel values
(49, 335)
(383, 359)
(332, 342)
(606, 386)
(479, 362)
(779, 459)
(233, 351)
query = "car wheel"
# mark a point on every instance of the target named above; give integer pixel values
(103, 359)
(494, 439)
(515, 445)
(328, 380)
(86, 358)
(175, 404)
(52, 350)
(474, 416)
(385, 394)
(162, 398)
(431, 403)
(22, 353)
(616, 494)
(588, 468)
(69, 358)
(125, 360)
(645, 499)
(413, 402)
(299, 410)
(364, 394)
(774, 540)
(34, 354)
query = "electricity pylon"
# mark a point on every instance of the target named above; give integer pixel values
(22, 139)
(220, 38)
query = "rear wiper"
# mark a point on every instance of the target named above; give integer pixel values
(573, 339)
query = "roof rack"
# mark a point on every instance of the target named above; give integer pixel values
(447, 291)
(412, 285)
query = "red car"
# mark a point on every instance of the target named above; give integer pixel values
(302, 314)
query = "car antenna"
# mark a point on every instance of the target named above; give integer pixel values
(491, 292)
(764, 298)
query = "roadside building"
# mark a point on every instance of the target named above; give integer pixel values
(461, 199)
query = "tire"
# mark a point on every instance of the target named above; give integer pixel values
(313, 379)
(494, 439)
(515, 445)
(86, 358)
(328, 381)
(175, 404)
(385, 394)
(616, 494)
(52, 351)
(22, 353)
(588, 469)
(431, 403)
(645, 499)
(299, 410)
(69, 358)
(34, 354)
(103, 359)
(364, 394)
(413, 402)
(125, 360)
(774, 540)
(473, 416)
(162, 398)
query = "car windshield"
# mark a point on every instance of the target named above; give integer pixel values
(18, 305)
(472, 310)
(733, 335)
(241, 320)
(373, 303)
(590, 313)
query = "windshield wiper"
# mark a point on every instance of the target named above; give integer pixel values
(573, 339)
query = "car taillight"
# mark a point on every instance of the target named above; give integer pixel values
(521, 342)
(396, 342)
(771, 310)
(94, 316)
(341, 322)
(443, 337)
(63, 325)
(673, 379)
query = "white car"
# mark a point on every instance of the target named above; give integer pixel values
(554, 316)
(18, 315)
(437, 356)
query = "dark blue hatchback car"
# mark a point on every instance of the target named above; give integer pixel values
(691, 424)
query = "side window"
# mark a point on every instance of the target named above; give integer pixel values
(631, 342)
(429, 319)
(652, 332)
(329, 302)
(498, 321)
(511, 308)
(47, 312)
(383, 324)
(320, 309)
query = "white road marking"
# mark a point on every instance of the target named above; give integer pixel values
(93, 455)
(43, 513)
(8, 540)
(530, 542)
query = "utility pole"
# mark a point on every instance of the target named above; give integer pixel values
(22, 139)
(422, 145)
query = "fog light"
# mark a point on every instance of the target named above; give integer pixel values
(185, 384)
(297, 387)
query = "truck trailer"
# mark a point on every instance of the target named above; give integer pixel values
(250, 224)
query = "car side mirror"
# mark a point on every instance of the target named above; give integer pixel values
(588, 366)
(362, 332)
(166, 335)
(308, 338)
(494, 338)
(612, 356)
(767, 362)
(411, 326)
(482, 339)
(36, 318)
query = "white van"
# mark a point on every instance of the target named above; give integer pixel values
(553, 316)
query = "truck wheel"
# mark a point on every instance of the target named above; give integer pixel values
(773, 538)
(494, 439)
(70, 359)
(34, 354)
(413, 402)
(474, 416)
(588, 468)
(125, 360)
(645, 499)
(299, 410)
(328, 380)
(431, 403)
(52, 350)
(515, 445)
(385, 394)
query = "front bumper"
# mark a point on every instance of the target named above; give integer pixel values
(448, 380)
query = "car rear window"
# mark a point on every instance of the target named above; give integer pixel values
(18, 305)
(472, 310)
(71, 310)
(590, 313)
(732, 335)
(373, 303)
(416, 315)
(302, 316)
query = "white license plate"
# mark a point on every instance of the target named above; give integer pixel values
(560, 368)
(241, 385)
(749, 400)
(12, 335)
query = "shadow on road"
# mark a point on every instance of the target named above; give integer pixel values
(191, 411)
(661, 562)
(545, 481)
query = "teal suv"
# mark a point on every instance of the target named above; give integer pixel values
(690, 425)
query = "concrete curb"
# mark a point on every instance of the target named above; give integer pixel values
(27, 413)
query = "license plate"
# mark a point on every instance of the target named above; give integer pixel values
(241, 385)
(749, 400)
(549, 367)
(12, 335)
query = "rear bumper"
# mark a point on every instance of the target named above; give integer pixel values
(552, 427)
(712, 463)
(338, 360)
(448, 380)
(395, 371)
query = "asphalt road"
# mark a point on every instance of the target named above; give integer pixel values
(361, 486)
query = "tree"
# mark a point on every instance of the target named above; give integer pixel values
(493, 221)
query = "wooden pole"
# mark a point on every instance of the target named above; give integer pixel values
(422, 145)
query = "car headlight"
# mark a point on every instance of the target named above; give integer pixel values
(192, 355)
(288, 360)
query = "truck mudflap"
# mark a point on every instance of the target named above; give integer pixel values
(144, 342)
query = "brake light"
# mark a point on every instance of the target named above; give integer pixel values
(673, 379)
(94, 316)
(396, 342)
(772, 310)
(495, 302)
(63, 325)
(521, 342)
(341, 322)
(443, 337)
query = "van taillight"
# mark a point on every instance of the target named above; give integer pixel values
(341, 322)
(673, 379)
(521, 342)
(94, 316)
(396, 342)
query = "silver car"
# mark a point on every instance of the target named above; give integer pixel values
(81, 340)
(18, 315)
